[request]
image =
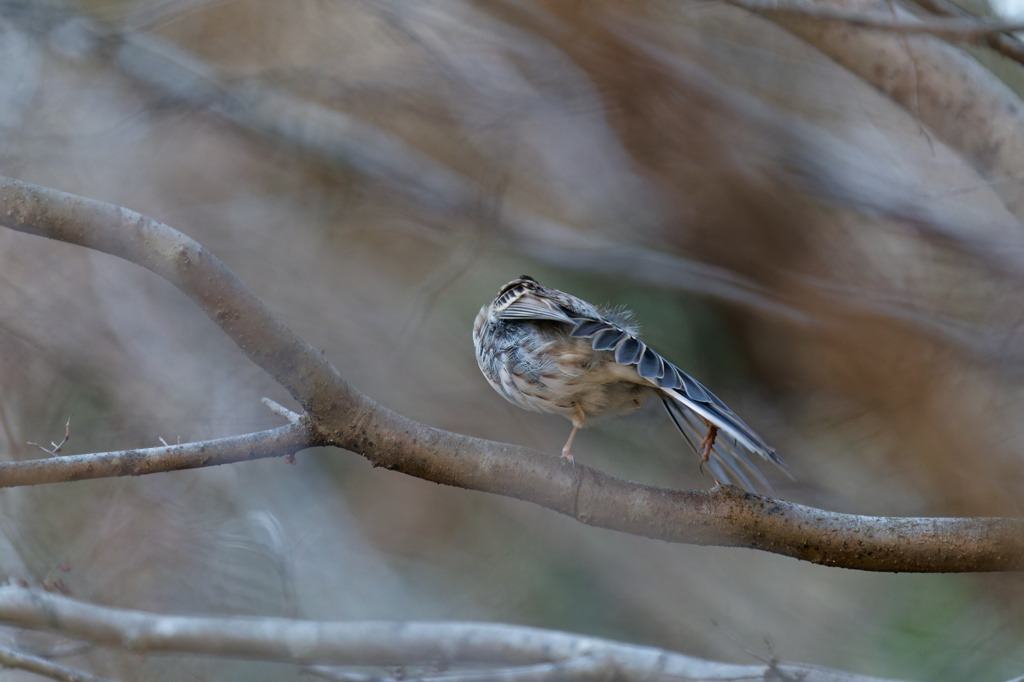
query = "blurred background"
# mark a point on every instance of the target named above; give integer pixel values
(821, 225)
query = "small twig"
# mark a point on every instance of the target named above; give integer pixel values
(55, 452)
(775, 671)
(281, 411)
(279, 442)
(293, 417)
(9, 658)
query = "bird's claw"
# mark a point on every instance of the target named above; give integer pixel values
(705, 445)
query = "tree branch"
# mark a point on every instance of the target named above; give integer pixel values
(337, 414)
(1007, 45)
(10, 658)
(937, 84)
(373, 643)
(957, 28)
(284, 440)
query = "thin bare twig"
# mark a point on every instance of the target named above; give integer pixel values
(280, 442)
(54, 450)
(10, 658)
(281, 411)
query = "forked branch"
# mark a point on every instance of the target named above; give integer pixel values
(335, 413)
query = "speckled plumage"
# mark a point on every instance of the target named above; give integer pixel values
(548, 351)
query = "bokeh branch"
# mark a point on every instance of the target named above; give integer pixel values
(338, 414)
(345, 141)
(957, 28)
(557, 655)
(937, 84)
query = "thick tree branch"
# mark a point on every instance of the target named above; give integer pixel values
(374, 643)
(339, 415)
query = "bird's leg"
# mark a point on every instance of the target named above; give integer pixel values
(705, 445)
(577, 422)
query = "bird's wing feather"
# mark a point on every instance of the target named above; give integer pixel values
(684, 389)
(533, 308)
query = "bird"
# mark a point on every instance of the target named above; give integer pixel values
(548, 351)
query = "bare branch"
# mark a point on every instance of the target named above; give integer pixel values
(340, 415)
(279, 442)
(9, 658)
(374, 643)
(55, 450)
(722, 516)
(281, 411)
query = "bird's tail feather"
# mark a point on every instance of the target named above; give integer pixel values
(729, 463)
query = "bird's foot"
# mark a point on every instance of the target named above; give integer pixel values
(705, 445)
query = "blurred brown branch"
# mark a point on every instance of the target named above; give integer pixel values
(492, 649)
(831, 173)
(338, 414)
(959, 28)
(937, 84)
(1008, 45)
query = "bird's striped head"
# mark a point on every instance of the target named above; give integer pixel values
(513, 291)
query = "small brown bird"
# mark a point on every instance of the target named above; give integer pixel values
(548, 351)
